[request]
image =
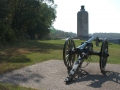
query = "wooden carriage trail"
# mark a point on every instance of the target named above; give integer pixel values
(50, 75)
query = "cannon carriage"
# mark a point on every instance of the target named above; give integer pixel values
(83, 52)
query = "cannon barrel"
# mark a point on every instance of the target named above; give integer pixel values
(91, 39)
(85, 43)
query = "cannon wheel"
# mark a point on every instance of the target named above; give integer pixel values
(104, 55)
(68, 55)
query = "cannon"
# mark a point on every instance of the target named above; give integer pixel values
(70, 51)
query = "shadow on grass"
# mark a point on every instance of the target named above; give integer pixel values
(14, 56)
(39, 46)
(16, 52)
(34, 46)
(96, 80)
(42, 44)
(2, 87)
(17, 59)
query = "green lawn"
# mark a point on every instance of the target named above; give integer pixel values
(31, 52)
(13, 87)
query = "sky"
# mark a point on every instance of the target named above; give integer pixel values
(104, 15)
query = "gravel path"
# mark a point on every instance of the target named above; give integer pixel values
(50, 75)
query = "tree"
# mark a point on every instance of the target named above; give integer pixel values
(19, 18)
(5, 19)
(45, 20)
(33, 18)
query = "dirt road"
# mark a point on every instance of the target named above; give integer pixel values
(50, 75)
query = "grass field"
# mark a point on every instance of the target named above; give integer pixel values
(31, 52)
(13, 87)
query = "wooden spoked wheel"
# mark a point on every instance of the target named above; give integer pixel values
(68, 53)
(103, 55)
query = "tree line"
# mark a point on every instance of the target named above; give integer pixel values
(59, 34)
(22, 19)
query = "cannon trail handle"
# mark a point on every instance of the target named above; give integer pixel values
(74, 69)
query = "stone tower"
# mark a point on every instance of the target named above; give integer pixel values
(82, 23)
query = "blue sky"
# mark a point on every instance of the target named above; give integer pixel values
(104, 15)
